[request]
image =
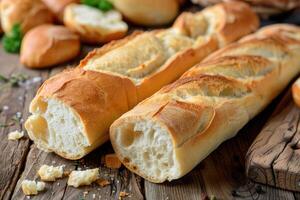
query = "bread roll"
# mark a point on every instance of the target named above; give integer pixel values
(49, 45)
(93, 25)
(148, 13)
(264, 7)
(57, 7)
(296, 92)
(27, 13)
(167, 135)
(82, 103)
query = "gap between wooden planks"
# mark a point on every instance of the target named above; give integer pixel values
(274, 157)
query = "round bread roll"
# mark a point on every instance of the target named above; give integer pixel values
(296, 92)
(27, 13)
(48, 45)
(148, 12)
(57, 7)
(93, 25)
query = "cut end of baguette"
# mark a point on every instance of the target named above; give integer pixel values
(53, 126)
(147, 149)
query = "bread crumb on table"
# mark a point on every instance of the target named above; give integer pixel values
(112, 161)
(122, 195)
(15, 135)
(103, 182)
(85, 177)
(50, 173)
(32, 187)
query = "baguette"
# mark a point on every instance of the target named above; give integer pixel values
(167, 135)
(80, 104)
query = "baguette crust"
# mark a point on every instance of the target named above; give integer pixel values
(124, 73)
(209, 104)
(49, 45)
(27, 13)
(57, 7)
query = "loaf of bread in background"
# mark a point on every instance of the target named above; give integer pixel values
(72, 111)
(263, 7)
(148, 13)
(57, 7)
(93, 25)
(48, 45)
(168, 134)
(27, 13)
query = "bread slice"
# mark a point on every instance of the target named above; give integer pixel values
(167, 135)
(81, 104)
(93, 25)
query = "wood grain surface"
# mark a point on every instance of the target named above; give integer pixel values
(274, 156)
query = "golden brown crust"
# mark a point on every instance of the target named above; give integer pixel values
(48, 45)
(27, 13)
(221, 94)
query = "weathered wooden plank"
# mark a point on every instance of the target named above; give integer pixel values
(274, 157)
(14, 100)
(122, 180)
(259, 191)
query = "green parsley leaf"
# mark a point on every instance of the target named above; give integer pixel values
(103, 5)
(12, 41)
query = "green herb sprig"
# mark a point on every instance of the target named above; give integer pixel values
(103, 5)
(12, 41)
(14, 80)
(15, 120)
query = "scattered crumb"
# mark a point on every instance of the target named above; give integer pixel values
(112, 161)
(15, 135)
(53, 162)
(5, 108)
(50, 173)
(58, 184)
(85, 193)
(94, 196)
(67, 172)
(122, 195)
(32, 187)
(28, 197)
(103, 182)
(86, 177)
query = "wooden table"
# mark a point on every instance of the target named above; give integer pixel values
(220, 175)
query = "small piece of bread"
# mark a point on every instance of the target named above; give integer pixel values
(112, 161)
(50, 173)
(296, 92)
(49, 45)
(93, 25)
(86, 177)
(32, 187)
(27, 13)
(57, 7)
(15, 135)
(103, 182)
(148, 13)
